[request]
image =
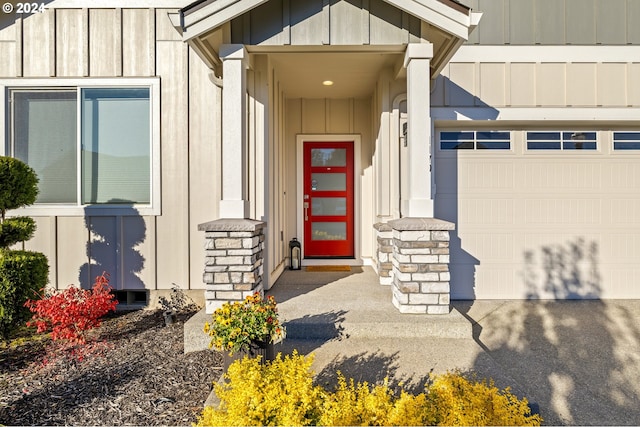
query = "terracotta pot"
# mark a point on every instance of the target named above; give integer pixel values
(256, 348)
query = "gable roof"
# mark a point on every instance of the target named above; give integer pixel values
(202, 16)
(447, 24)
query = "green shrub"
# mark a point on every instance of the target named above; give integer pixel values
(282, 393)
(22, 275)
(17, 229)
(18, 185)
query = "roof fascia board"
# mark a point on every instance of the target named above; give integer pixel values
(223, 13)
(112, 4)
(437, 14)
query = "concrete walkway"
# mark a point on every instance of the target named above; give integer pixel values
(578, 361)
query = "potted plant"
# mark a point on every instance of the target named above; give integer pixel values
(248, 327)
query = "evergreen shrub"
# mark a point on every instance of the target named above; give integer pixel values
(22, 273)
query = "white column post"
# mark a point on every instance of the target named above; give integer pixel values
(235, 62)
(420, 198)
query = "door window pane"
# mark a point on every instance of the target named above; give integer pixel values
(332, 206)
(44, 137)
(328, 157)
(116, 152)
(328, 182)
(329, 231)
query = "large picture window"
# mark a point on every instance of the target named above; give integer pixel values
(90, 145)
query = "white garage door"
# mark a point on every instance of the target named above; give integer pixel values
(541, 213)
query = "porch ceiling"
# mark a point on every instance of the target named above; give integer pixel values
(354, 74)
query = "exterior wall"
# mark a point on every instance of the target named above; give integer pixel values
(332, 116)
(556, 22)
(518, 82)
(540, 224)
(321, 22)
(140, 252)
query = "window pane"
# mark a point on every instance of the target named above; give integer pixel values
(626, 140)
(328, 157)
(329, 231)
(579, 140)
(116, 146)
(543, 141)
(328, 182)
(334, 206)
(494, 145)
(44, 137)
(456, 140)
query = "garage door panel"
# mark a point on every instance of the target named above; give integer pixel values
(622, 212)
(494, 246)
(488, 211)
(621, 281)
(623, 176)
(621, 248)
(504, 279)
(475, 176)
(547, 174)
(561, 211)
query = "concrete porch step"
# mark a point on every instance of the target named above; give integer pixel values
(381, 324)
(350, 325)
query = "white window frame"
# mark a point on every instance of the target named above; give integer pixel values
(475, 149)
(79, 209)
(544, 151)
(625, 150)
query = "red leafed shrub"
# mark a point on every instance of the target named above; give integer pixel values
(69, 313)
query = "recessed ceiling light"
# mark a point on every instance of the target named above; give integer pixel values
(327, 83)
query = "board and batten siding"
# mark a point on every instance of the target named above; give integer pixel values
(531, 84)
(325, 22)
(556, 22)
(140, 252)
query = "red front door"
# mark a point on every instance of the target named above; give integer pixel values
(328, 200)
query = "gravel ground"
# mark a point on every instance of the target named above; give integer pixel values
(133, 372)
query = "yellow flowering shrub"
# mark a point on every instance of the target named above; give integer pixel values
(358, 404)
(282, 392)
(462, 402)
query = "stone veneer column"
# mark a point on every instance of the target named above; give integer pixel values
(384, 237)
(233, 260)
(421, 265)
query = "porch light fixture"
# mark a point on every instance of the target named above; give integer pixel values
(328, 82)
(295, 255)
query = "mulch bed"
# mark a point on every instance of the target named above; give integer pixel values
(133, 372)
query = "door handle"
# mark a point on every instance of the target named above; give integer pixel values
(306, 210)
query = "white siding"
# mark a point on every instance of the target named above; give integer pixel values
(138, 251)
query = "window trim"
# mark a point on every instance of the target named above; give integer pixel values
(153, 83)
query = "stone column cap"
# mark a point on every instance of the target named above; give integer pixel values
(421, 224)
(232, 224)
(382, 226)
